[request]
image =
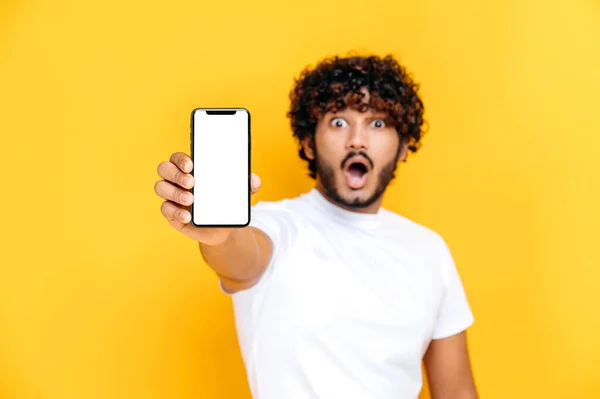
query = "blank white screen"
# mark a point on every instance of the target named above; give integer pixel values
(221, 171)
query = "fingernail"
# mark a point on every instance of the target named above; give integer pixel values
(186, 197)
(183, 216)
(187, 166)
(187, 181)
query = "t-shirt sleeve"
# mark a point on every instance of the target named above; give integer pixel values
(277, 222)
(455, 314)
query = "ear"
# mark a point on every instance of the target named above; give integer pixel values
(308, 146)
(403, 149)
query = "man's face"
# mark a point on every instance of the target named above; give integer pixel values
(356, 155)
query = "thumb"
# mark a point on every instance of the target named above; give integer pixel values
(255, 183)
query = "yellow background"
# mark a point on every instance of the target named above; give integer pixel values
(99, 298)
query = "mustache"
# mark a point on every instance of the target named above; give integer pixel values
(357, 153)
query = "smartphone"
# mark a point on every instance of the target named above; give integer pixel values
(220, 150)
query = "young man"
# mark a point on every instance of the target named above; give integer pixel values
(334, 296)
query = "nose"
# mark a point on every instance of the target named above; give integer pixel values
(357, 139)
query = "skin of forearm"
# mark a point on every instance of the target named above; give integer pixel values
(241, 257)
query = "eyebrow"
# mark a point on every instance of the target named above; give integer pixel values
(378, 116)
(374, 115)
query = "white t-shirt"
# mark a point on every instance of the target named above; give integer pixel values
(348, 304)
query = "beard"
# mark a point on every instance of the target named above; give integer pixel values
(326, 174)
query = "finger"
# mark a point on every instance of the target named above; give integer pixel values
(255, 183)
(174, 213)
(182, 161)
(170, 192)
(170, 172)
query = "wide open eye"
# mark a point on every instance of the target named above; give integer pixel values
(378, 124)
(338, 122)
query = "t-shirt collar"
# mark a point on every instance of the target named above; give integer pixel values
(366, 220)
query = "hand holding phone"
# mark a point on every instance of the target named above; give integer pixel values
(207, 194)
(175, 190)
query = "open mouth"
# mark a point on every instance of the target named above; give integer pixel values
(357, 172)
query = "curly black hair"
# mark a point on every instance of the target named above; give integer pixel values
(335, 83)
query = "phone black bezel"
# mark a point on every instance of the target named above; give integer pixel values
(249, 167)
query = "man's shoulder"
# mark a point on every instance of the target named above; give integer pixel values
(280, 219)
(283, 204)
(282, 209)
(410, 228)
(274, 205)
(424, 242)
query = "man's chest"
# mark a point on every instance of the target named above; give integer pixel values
(359, 287)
